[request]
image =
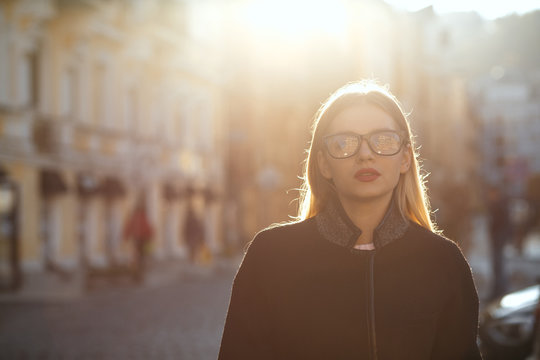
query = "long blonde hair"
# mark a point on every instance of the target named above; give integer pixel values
(410, 192)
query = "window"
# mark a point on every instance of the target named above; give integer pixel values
(69, 93)
(33, 59)
(130, 110)
(27, 76)
(99, 94)
(23, 81)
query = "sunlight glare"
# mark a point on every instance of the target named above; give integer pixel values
(296, 18)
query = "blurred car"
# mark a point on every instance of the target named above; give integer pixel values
(509, 325)
(536, 342)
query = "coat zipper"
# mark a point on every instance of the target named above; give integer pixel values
(371, 308)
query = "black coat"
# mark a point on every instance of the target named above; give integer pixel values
(303, 292)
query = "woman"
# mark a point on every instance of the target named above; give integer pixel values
(363, 275)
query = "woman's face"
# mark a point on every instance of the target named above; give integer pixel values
(365, 175)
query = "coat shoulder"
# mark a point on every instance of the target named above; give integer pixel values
(435, 244)
(284, 234)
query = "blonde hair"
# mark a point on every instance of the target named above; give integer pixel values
(410, 192)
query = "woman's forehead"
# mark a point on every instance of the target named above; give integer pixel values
(361, 119)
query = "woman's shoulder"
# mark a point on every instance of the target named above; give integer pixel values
(285, 234)
(433, 243)
(289, 227)
(447, 257)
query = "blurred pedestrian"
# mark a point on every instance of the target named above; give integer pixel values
(500, 231)
(363, 274)
(520, 216)
(140, 232)
(529, 220)
(194, 234)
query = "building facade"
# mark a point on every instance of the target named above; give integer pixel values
(100, 103)
(508, 107)
(283, 82)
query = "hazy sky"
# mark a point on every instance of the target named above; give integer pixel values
(486, 8)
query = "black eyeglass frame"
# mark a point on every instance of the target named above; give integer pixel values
(361, 137)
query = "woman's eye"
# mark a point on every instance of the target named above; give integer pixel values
(386, 141)
(346, 143)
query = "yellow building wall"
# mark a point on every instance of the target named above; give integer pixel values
(67, 40)
(96, 234)
(69, 210)
(30, 247)
(156, 220)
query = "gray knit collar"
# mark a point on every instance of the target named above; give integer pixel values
(335, 226)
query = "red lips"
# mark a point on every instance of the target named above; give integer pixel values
(367, 174)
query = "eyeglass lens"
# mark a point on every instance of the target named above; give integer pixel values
(345, 145)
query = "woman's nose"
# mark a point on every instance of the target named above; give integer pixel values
(364, 152)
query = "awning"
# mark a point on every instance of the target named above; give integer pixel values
(51, 183)
(111, 187)
(171, 192)
(210, 196)
(190, 191)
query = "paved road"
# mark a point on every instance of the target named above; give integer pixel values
(177, 317)
(179, 320)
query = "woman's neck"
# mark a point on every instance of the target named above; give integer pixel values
(366, 215)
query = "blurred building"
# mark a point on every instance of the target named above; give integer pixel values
(101, 101)
(508, 104)
(448, 133)
(280, 70)
(283, 80)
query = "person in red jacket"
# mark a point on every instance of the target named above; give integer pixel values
(139, 230)
(363, 273)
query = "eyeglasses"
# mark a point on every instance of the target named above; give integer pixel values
(381, 142)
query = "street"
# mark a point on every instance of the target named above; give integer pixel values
(179, 320)
(178, 313)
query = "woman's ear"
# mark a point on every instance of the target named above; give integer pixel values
(323, 165)
(406, 159)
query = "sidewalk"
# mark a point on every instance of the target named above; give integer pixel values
(40, 287)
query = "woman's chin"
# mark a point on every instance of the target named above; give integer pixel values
(368, 196)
